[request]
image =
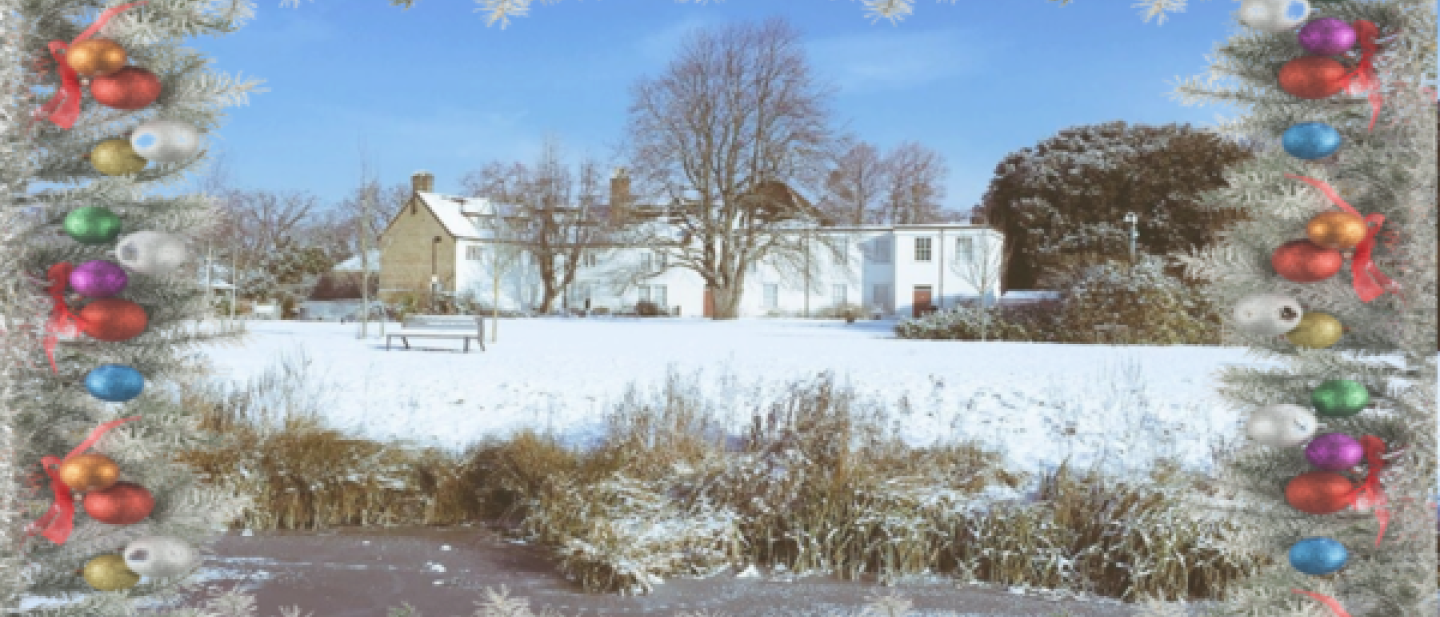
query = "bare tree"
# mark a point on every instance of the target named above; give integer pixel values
(735, 117)
(854, 188)
(504, 254)
(555, 216)
(983, 269)
(914, 187)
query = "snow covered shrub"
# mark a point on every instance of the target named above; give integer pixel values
(1156, 307)
(1018, 323)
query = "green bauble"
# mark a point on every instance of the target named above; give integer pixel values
(109, 573)
(1339, 398)
(92, 225)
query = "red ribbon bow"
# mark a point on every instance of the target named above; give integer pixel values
(1362, 78)
(59, 520)
(1367, 279)
(64, 108)
(1367, 494)
(62, 319)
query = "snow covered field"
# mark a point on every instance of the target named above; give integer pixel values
(1037, 403)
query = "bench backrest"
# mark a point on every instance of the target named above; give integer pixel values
(448, 322)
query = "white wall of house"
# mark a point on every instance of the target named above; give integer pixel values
(882, 269)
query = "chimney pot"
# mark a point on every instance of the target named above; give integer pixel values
(423, 182)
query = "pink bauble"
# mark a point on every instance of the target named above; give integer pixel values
(1327, 36)
(1334, 452)
(98, 279)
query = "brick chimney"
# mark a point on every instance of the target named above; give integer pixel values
(423, 182)
(619, 194)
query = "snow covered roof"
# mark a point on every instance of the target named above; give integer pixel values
(451, 211)
(353, 264)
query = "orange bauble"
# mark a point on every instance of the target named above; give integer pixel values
(1313, 77)
(1337, 230)
(129, 88)
(1319, 492)
(126, 503)
(1304, 261)
(95, 57)
(89, 472)
(112, 320)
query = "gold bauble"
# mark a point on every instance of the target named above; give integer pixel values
(89, 472)
(109, 573)
(115, 157)
(1316, 331)
(1337, 230)
(95, 57)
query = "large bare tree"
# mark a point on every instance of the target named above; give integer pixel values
(914, 187)
(855, 186)
(555, 217)
(736, 112)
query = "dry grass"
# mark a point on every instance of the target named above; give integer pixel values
(812, 483)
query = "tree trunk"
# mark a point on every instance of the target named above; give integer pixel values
(495, 306)
(727, 302)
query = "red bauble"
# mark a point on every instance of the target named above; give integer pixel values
(113, 320)
(1313, 77)
(1304, 261)
(129, 88)
(1319, 492)
(125, 503)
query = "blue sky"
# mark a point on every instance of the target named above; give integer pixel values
(434, 88)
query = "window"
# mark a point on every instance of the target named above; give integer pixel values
(589, 259)
(650, 259)
(880, 251)
(964, 248)
(839, 293)
(880, 297)
(772, 295)
(644, 293)
(922, 249)
(657, 295)
(474, 252)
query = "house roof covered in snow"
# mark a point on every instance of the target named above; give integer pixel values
(353, 264)
(451, 211)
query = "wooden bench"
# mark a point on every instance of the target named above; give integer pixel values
(465, 327)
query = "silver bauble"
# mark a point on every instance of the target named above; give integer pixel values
(1267, 314)
(1269, 15)
(161, 556)
(151, 252)
(165, 141)
(1281, 425)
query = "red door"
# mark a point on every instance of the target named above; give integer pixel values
(921, 301)
(709, 303)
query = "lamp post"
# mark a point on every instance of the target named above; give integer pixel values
(434, 274)
(1132, 219)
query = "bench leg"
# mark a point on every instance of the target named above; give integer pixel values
(467, 344)
(406, 341)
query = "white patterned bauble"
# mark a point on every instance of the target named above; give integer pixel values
(151, 252)
(1269, 15)
(165, 141)
(1267, 314)
(1282, 425)
(161, 556)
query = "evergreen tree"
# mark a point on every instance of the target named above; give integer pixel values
(1388, 342)
(53, 410)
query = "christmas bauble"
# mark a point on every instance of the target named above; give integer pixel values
(161, 556)
(1339, 398)
(1319, 492)
(1281, 425)
(1303, 261)
(92, 225)
(165, 141)
(1327, 36)
(109, 573)
(1311, 140)
(1270, 15)
(98, 279)
(89, 472)
(1313, 77)
(113, 320)
(114, 383)
(1316, 331)
(1334, 452)
(124, 503)
(151, 252)
(115, 157)
(95, 57)
(129, 88)
(1267, 314)
(1337, 230)
(1318, 556)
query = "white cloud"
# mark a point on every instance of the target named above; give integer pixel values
(899, 60)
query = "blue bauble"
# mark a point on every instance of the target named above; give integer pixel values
(114, 383)
(1311, 140)
(1318, 556)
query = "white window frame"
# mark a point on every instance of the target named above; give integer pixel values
(840, 294)
(644, 293)
(659, 297)
(589, 259)
(772, 295)
(964, 248)
(923, 249)
(473, 252)
(881, 250)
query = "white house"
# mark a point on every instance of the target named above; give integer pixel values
(899, 270)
